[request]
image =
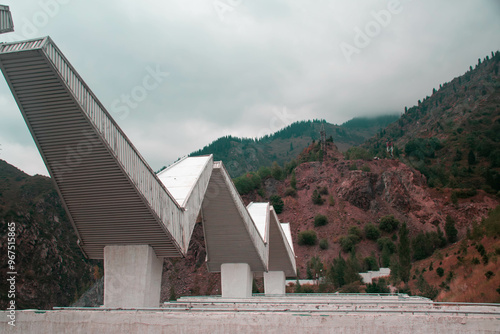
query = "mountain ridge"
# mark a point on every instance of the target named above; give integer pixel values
(242, 155)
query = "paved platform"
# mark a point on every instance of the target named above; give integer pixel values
(314, 313)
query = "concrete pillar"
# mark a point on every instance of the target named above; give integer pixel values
(132, 276)
(236, 280)
(274, 283)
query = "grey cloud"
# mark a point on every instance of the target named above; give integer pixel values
(227, 76)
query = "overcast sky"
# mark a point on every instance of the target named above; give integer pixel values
(177, 74)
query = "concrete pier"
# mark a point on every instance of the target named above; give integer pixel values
(274, 283)
(132, 276)
(236, 280)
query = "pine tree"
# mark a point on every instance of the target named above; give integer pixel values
(316, 197)
(276, 171)
(450, 229)
(404, 254)
(293, 181)
(471, 158)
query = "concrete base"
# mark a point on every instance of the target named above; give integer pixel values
(236, 280)
(274, 283)
(142, 321)
(132, 276)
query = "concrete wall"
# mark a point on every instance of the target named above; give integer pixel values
(369, 276)
(121, 321)
(132, 276)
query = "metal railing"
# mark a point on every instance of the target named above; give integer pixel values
(125, 154)
(128, 157)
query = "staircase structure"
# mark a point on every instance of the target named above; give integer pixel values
(121, 210)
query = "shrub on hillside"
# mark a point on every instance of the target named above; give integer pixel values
(371, 232)
(387, 243)
(354, 230)
(323, 191)
(307, 238)
(440, 271)
(264, 172)
(356, 153)
(316, 197)
(320, 220)
(323, 244)
(348, 243)
(290, 192)
(388, 223)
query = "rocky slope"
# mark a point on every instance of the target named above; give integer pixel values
(363, 191)
(51, 268)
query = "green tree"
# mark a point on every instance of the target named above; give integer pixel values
(264, 172)
(370, 263)
(277, 203)
(388, 223)
(440, 271)
(386, 242)
(348, 242)
(422, 246)
(352, 269)
(378, 287)
(385, 257)
(371, 232)
(337, 271)
(276, 171)
(316, 267)
(293, 181)
(404, 254)
(450, 229)
(471, 158)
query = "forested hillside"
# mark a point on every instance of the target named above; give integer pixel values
(452, 136)
(242, 155)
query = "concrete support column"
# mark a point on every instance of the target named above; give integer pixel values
(236, 280)
(132, 276)
(274, 283)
